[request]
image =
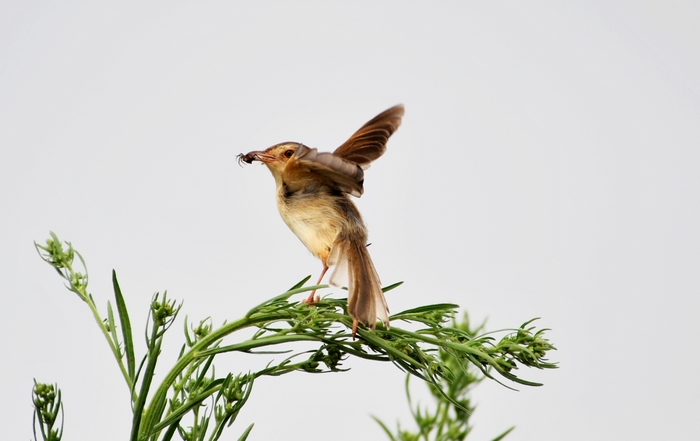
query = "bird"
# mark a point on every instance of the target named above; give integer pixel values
(313, 198)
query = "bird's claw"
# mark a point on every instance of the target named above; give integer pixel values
(313, 298)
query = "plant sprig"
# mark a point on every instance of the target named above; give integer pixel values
(63, 261)
(46, 399)
(195, 402)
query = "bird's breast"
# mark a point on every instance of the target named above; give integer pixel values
(315, 218)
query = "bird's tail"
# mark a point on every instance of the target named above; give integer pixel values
(354, 266)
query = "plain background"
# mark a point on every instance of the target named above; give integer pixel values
(547, 166)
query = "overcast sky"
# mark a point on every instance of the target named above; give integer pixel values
(547, 166)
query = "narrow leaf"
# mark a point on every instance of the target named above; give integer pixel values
(503, 435)
(245, 434)
(126, 327)
(392, 286)
(299, 285)
(168, 435)
(383, 426)
(428, 308)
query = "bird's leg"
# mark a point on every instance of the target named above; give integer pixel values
(313, 298)
(354, 327)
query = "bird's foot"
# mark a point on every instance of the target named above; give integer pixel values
(313, 298)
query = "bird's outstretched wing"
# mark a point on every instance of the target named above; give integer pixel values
(369, 142)
(345, 165)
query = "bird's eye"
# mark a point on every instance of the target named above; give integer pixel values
(288, 153)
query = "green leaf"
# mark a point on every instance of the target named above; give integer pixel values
(245, 434)
(503, 435)
(168, 435)
(283, 297)
(203, 371)
(383, 426)
(126, 327)
(154, 343)
(428, 308)
(299, 285)
(392, 286)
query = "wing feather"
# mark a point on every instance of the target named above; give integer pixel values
(347, 175)
(345, 166)
(369, 142)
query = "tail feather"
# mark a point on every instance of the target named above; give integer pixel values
(366, 300)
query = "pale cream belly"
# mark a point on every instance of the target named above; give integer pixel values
(315, 223)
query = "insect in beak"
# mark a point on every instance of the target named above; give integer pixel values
(247, 158)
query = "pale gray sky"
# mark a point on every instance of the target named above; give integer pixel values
(547, 166)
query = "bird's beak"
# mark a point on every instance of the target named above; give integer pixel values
(257, 155)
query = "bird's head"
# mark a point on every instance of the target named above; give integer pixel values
(275, 157)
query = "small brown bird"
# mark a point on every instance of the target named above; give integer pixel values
(312, 198)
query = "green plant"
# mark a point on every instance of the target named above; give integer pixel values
(197, 404)
(448, 420)
(46, 399)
